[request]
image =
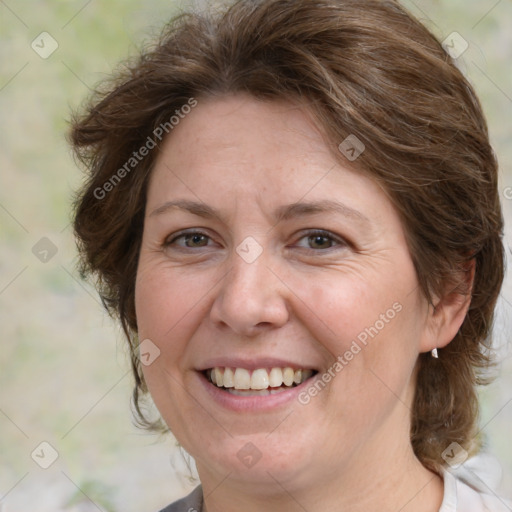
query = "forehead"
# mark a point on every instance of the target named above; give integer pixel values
(237, 149)
(241, 129)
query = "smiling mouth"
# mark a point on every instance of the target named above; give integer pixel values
(260, 382)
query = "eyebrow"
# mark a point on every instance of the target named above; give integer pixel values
(304, 209)
(282, 213)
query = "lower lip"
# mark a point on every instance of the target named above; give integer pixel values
(255, 402)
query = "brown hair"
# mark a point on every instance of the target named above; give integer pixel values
(365, 68)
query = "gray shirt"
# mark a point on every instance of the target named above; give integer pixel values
(191, 503)
(467, 488)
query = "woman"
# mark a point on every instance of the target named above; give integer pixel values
(292, 207)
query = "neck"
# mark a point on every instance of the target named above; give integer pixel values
(383, 475)
(384, 485)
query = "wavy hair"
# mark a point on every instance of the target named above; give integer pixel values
(365, 68)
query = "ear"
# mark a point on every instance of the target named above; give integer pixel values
(445, 317)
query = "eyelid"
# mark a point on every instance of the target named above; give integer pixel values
(189, 231)
(340, 241)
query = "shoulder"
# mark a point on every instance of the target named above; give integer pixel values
(191, 503)
(470, 487)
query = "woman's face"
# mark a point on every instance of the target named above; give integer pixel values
(264, 255)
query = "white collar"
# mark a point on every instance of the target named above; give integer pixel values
(471, 486)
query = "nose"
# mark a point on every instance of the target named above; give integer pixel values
(251, 299)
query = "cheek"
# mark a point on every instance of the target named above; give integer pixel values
(171, 303)
(339, 307)
(165, 300)
(373, 322)
(164, 311)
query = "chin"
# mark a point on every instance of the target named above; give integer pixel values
(257, 459)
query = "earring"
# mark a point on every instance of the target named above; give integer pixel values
(435, 355)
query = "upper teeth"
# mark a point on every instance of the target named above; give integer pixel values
(240, 378)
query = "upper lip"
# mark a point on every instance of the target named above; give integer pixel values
(252, 364)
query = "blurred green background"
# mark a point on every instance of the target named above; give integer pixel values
(64, 373)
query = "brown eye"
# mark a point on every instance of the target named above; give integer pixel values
(320, 242)
(190, 240)
(196, 240)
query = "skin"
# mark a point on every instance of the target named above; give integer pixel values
(304, 299)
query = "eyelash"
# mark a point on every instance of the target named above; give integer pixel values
(339, 242)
